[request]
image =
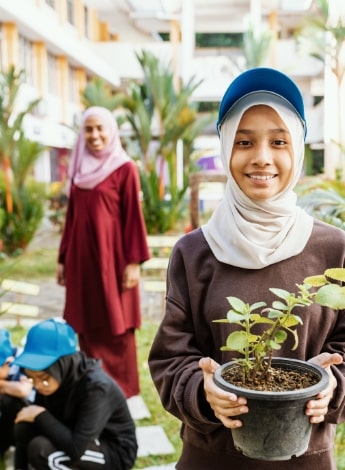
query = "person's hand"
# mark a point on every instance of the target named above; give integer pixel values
(317, 409)
(60, 274)
(225, 405)
(131, 276)
(29, 413)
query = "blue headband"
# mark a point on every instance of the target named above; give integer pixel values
(262, 79)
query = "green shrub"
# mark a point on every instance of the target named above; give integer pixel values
(18, 228)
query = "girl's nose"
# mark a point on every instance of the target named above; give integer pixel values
(263, 155)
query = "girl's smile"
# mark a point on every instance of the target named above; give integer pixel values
(262, 156)
(96, 134)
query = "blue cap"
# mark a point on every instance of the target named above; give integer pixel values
(46, 342)
(262, 79)
(6, 349)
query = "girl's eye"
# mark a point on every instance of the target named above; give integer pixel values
(243, 143)
(279, 142)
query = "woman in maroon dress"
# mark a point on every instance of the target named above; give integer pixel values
(103, 243)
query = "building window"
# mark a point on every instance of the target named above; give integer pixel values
(70, 11)
(51, 3)
(72, 85)
(86, 22)
(25, 58)
(52, 75)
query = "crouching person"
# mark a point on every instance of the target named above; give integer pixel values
(80, 417)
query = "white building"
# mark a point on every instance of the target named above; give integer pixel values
(62, 44)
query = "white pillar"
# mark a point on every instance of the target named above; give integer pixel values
(187, 38)
(256, 15)
(179, 164)
(42, 170)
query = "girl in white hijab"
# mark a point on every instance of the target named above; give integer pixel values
(258, 238)
(251, 233)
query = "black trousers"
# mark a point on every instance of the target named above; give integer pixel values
(9, 407)
(37, 452)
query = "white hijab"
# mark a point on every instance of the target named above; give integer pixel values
(254, 234)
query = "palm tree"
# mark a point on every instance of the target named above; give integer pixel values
(99, 93)
(22, 208)
(9, 88)
(160, 117)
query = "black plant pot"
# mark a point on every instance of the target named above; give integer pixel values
(276, 427)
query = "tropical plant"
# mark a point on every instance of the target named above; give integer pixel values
(99, 93)
(256, 350)
(161, 117)
(324, 199)
(21, 207)
(20, 225)
(256, 46)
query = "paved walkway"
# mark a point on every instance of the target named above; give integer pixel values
(50, 299)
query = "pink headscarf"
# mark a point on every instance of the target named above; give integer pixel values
(88, 169)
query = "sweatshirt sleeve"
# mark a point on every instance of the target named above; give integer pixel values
(134, 228)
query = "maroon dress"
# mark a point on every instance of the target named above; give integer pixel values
(104, 232)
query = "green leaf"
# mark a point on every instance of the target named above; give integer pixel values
(234, 317)
(293, 320)
(274, 345)
(336, 274)
(260, 319)
(257, 305)
(331, 295)
(272, 313)
(280, 336)
(238, 341)
(237, 304)
(282, 293)
(278, 305)
(316, 281)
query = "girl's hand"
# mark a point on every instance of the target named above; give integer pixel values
(318, 408)
(131, 276)
(29, 413)
(225, 405)
(60, 274)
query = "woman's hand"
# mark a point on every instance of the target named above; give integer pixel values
(317, 409)
(60, 274)
(29, 413)
(131, 276)
(225, 405)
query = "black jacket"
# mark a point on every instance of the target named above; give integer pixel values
(88, 405)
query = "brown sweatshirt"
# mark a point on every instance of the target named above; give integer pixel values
(197, 287)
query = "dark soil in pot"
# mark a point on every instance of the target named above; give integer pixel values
(276, 427)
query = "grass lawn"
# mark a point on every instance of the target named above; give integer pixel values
(159, 416)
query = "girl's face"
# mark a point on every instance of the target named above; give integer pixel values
(96, 134)
(262, 156)
(44, 384)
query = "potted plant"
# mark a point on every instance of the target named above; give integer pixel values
(277, 389)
